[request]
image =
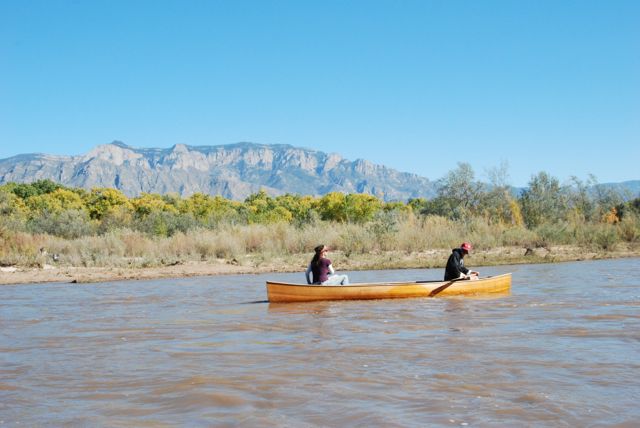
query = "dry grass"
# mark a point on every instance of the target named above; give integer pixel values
(411, 242)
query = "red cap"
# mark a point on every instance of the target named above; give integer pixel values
(466, 247)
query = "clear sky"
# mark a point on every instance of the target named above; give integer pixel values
(418, 86)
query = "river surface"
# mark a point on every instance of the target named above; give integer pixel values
(562, 350)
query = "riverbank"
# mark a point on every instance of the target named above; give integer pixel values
(252, 264)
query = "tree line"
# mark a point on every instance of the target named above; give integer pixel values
(46, 207)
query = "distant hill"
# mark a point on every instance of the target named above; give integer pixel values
(233, 171)
(628, 189)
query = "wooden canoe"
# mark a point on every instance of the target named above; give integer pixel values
(281, 292)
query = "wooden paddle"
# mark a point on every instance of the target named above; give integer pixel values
(442, 287)
(445, 286)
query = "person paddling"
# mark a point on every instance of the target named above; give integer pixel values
(455, 265)
(322, 270)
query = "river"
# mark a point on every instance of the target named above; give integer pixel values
(562, 350)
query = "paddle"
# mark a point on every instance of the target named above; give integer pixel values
(443, 286)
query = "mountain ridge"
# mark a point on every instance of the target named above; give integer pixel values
(233, 171)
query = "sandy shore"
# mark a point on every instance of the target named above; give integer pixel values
(255, 264)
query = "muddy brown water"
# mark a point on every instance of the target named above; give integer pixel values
(562, 350)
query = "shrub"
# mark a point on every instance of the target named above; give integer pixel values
(629, 228)
(68, 224)
(165, 223)
(356, 240)
(606, 237)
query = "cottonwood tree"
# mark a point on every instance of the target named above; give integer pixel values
(458, 193)
(498, 204)
(543, 200)
(263, 209)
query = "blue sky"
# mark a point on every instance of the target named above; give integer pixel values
(415, 85)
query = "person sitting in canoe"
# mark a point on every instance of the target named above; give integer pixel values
(322, 270)
(455, 265)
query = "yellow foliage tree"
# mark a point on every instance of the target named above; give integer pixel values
(332, 206)
(262, 208)
(147, 203)
(516, 213)
(103, 201)
(55, 202)
(361, 207)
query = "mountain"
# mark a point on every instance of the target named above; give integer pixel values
(628, 189)
(233, 171)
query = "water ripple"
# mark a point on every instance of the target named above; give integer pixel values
(561, 350)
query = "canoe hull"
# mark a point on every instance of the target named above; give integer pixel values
(280, 292)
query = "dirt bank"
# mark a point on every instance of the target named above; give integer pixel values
(343, 262)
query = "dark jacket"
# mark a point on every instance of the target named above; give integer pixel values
(455, 265)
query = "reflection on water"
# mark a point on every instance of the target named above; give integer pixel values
(561, 350)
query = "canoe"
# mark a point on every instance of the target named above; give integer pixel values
(281, 292)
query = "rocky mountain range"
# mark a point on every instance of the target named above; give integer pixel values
(233, 171)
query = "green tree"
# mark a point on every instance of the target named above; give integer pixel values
(224, 211)
(39, 187)
(543, 201)
(580, 199)
(165, 223)
(438, 206)
(67, 223)
(417, 205)
(13, 212)
(629, 208)
(605, 198)
(459, 192)
(497, 203)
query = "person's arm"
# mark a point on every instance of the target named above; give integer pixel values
(460, 267)
(307, 274)
(331, 271)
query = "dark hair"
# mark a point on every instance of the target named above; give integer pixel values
(316, 257)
